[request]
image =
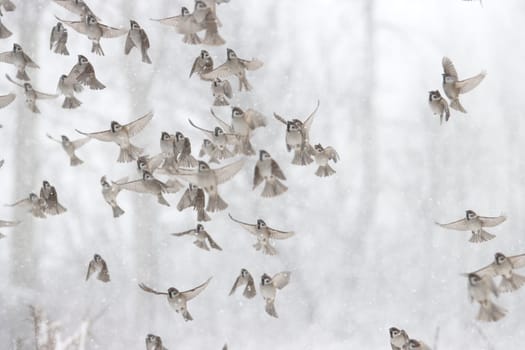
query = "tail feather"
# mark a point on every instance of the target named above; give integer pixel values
(324, 171)
(74, 160)
(71, 103)
(145, 57)
(188, 161)
(192, 39)
(213, 39)
(129, 154)
(117, 211)
(269, 250)
(243, 82)
(216, 203)
(94, 84)
(302, 157)
(490, 312)
(201, 245)
(273, 187)
(162, 200)
(4, 32)
(222, 153)
(270, 308)
(481, 236)
(97, 49)
(221, 101)
(202, 215)
(61, 49)
(511, 284)
(33, 107)
(22, 75)
(457, 106)
(187, 316)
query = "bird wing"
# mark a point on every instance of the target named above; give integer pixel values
(200, 200)
(144, 39)
(459, 225)
(52, 138)
(6, 99)
(129, 44)
(517, 261)
(7, 57)
(248, 227)
(44, 96)
(228, 91)
(213, 244)
(81, 142)
(170, 21)
(29, 61)
(105, 136)
(331, 153)
(281, 279)
(156, 161)
(487, 271)
(91, 269)
(448, 67)
(227, 172)
(150, 290)
(308, 122)
(279, 118)
(137, 125)
(184, 233)
(4, 223)
(135, 186)
(276, 170)
(74, 7)
(254, 118)
(209, 132)
(103, 275)
(192, 293)
(24, 201)
(249, 290)
(222, 71)
(257, 178)
(111, 32)
(470, 83)
(12, 81)
(276, 234)
(224, 126)
(252, 64)
(492, 221)
(238, 282)
(185, 201)
(194, 66)
(53, 37)
(79, 26)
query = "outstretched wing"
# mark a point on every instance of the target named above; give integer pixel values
(111, 32)
(448, 67)
(281, 279)
(308, 122)
(276, 234)
(7, 57)
(103, 275)
(279, 118)
(81, 142)
(150, 290)
(254, 118)
(6, 99)
(178, 234)
(29, 61)
(209, 132)
(12, 81)
(517, 261)
(91, 269)
(135, 186)
(251, 64)
(44, 96)
(257, 178)
(248, 227)
(192, 293)
(470, 83)
(224, 126)
(492, 221)
(331, 153)
(460, 225)
(79, 26)
(487, 271)
(276, 170)
(105, 136)
(213, 244)
(238, 282)
(137, 125)
(52, 138)
(227, 172)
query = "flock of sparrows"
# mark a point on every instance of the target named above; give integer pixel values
(175, 160)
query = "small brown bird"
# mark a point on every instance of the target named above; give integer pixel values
(398, 338)
(201, 236)
(194, 197)
(221, 89)
(35, 204)
(475, 223)
(504, 266)
(20, 60)
(453, 87)
(78, 7)
(480, 290)
(268, 288)
(244, 278)
(178, 300)
(267, 170)
(185, 24)
(68, 88)
(138, 38)
(322, 156)
(49, 194)
(148, 184)
(202, 64)
(58, 38)
(84, 73)
(70, 147)
(438, 105)
(31, 95)
(208, 149)
(154, 342)
(110, 192)
(98, 264)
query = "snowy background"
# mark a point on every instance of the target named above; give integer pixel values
(366, 255)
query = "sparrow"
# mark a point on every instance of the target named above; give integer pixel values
(70, 147)
(138, 38)
(154, 342)
(167, 149)
(438, 105)
(413, 344)
(322, 156)
(194, 197)
(244, 278)
(6, 100)
(84, 73)
(220, 139)
(7, 5)
(208, 149)
(201, 236)
(20, 60)
(78, 7)
(398, 338)
(110, 192)
(264, 234)
(178, 300)
(182, 151)
(4, 223)
(474, 223)
(35, 204)
(209, 179)
(202, 64)
(221, 89)
(49, 194)
(267, 170)
(185, 24)
(4, 32)
(454, 87)
(98, 264)
(59, 39)
(120, 134)
(31, 95)
(68, 87)
(149, 164)
(148, 184)
(480, 290)
(207, 18)
(94, 30)
(234, 66)
(268, 288)
(504, 266)
(298, 138)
